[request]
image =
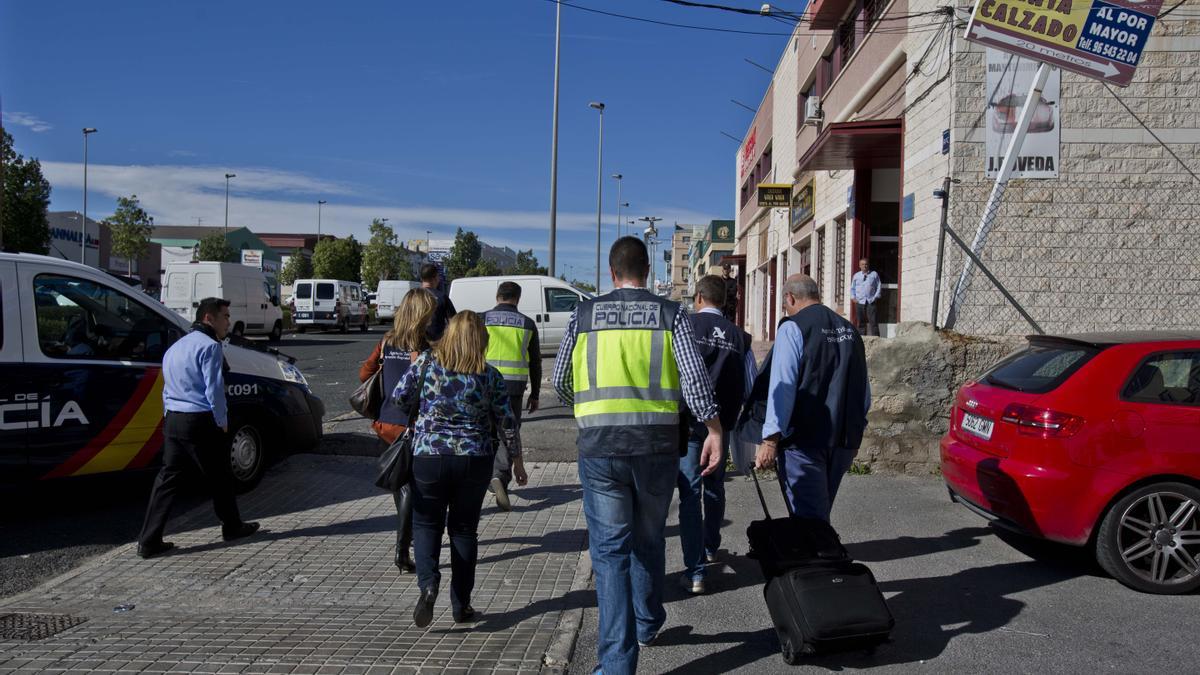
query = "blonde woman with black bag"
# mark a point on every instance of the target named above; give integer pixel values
(391, 359)
(464, 405)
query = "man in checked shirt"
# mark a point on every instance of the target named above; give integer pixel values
(627, 361)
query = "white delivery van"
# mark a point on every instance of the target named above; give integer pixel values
(546, 300)
(81, 391)
(253, 309)
(388, 296)
(331, 303)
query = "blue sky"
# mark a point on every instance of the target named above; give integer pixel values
(432, 114)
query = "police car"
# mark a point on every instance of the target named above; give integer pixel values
(81, 385)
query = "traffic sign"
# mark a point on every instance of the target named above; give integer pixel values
(1102, 39)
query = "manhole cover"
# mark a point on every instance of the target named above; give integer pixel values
(35, 626)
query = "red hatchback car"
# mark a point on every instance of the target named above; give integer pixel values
(1091, 440)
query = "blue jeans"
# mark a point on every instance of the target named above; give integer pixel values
(447, 493)
(625, 502)
(810, 478)
(700, 528)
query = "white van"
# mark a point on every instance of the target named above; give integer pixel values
(253, 309)
(546, 300)
(81, 391)
(388, 296)
(330, 303)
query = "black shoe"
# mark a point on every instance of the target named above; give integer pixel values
(404, 562)
(243, 530)
(466, 615)
(147, 551)
(423, 612)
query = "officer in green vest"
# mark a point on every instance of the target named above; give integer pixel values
(627, 363)
(513, 350)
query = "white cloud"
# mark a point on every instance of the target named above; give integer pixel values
(265, 200)
(33, 122)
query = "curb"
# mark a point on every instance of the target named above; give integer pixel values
(557, 659)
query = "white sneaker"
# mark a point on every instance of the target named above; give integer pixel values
(502, 500)
(693, 586)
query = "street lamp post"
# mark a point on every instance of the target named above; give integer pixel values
(618, 178)
(599, 186)
(83, 223)
(648, 235)
(320, 203)
(554, 136)
(227, 177)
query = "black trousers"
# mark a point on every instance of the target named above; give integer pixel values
(503, 467)
(447, 492)
(193, 445)
(868, 323)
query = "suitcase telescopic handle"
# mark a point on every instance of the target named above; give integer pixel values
(763, 500)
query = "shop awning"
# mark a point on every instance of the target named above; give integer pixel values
(871, 144)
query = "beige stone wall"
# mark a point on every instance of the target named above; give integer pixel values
(1113, 242)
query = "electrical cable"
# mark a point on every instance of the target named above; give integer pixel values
(1149, 130)
(1179, 4)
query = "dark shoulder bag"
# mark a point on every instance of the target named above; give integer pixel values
(396, 463)
(367, 400)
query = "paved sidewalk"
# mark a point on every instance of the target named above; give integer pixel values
(316, 591)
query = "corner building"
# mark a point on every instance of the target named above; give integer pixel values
(873, 103)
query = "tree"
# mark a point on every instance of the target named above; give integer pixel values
(381, 257)
(298, 267)
(527, 263)
(131, 228)
(484, 268)
(583, 286)
(338, 259)
(215, 248)
(23, 224)
(464, 255)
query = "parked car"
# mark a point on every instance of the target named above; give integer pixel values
(82, 387)
(1090, 440)
(331, 303)
(253, 308)
(388, 297)
(548, 301)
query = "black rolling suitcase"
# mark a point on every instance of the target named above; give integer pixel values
(820, 601)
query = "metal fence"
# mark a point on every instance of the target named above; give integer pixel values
(1117, 254)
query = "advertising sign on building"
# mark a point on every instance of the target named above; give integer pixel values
(722, 231)
(802, 204)
(1102, 39)
(1008, 81)
(747, 158)
(774, 194)
(252, 258)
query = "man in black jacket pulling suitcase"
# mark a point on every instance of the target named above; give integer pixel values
(817, 402)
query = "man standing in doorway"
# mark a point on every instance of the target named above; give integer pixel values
(513, 349)
(817, 401)
(196, 429)
(431, 280)
(865, 289)
(729, 309)
(627, 359)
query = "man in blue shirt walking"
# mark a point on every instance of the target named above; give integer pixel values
(866, 289)
(817, 401)
(196, 428)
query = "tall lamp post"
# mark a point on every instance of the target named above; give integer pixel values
(320, 203)
(83, 223)
(650, 232)
(554, 136)
(617, 177)
(227, 177)
(599, 186)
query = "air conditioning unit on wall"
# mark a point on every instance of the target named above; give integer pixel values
(812, 110)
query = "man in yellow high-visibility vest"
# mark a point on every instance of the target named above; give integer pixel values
(627, 363)
(513, 350)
